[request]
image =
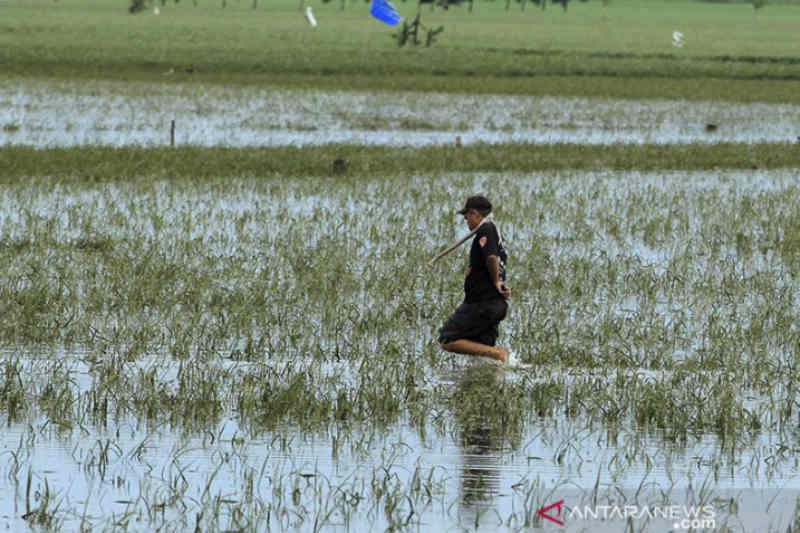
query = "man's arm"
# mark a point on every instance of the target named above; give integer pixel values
(493, 266)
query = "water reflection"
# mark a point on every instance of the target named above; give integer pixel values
(480, 477)
(481, 441)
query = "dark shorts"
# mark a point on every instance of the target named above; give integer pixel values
(475, 321)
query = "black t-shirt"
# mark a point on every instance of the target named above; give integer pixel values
(478, 284)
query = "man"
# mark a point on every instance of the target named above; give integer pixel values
(472, 329)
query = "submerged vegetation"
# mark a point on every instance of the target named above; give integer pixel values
(651, 305)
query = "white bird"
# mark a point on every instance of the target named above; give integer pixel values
(310, 17)
(677, 39)
(156, 11)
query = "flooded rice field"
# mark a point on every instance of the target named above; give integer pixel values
(255, 354)
(65, 114)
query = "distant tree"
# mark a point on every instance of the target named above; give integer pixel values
(137, 6)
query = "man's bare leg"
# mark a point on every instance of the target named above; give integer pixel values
(469, 347)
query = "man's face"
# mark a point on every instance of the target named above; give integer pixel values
(473, 218)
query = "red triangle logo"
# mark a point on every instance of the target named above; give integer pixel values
(547, 514)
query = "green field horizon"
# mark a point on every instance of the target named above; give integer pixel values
(732, 51)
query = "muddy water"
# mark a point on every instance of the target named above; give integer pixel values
(49, 114)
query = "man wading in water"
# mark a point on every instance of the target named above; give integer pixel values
(472, 329)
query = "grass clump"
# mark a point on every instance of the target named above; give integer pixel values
(485, 404)
(272, 403)
(13, 400)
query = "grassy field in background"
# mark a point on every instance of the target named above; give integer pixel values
(112, 164)
(732, 51)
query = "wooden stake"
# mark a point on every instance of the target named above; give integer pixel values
(459, 242)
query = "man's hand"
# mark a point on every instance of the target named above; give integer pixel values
(493, 265)
(503, 289)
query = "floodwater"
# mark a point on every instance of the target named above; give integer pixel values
(134, 474)
(122, 477)
(65, 114)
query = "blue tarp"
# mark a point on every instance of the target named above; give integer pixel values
(384, 11)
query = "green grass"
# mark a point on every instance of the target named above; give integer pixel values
(113, 164)
(732, 51)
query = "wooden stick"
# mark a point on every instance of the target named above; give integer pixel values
(459, 242)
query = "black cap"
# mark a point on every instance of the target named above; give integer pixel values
(478, 203)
